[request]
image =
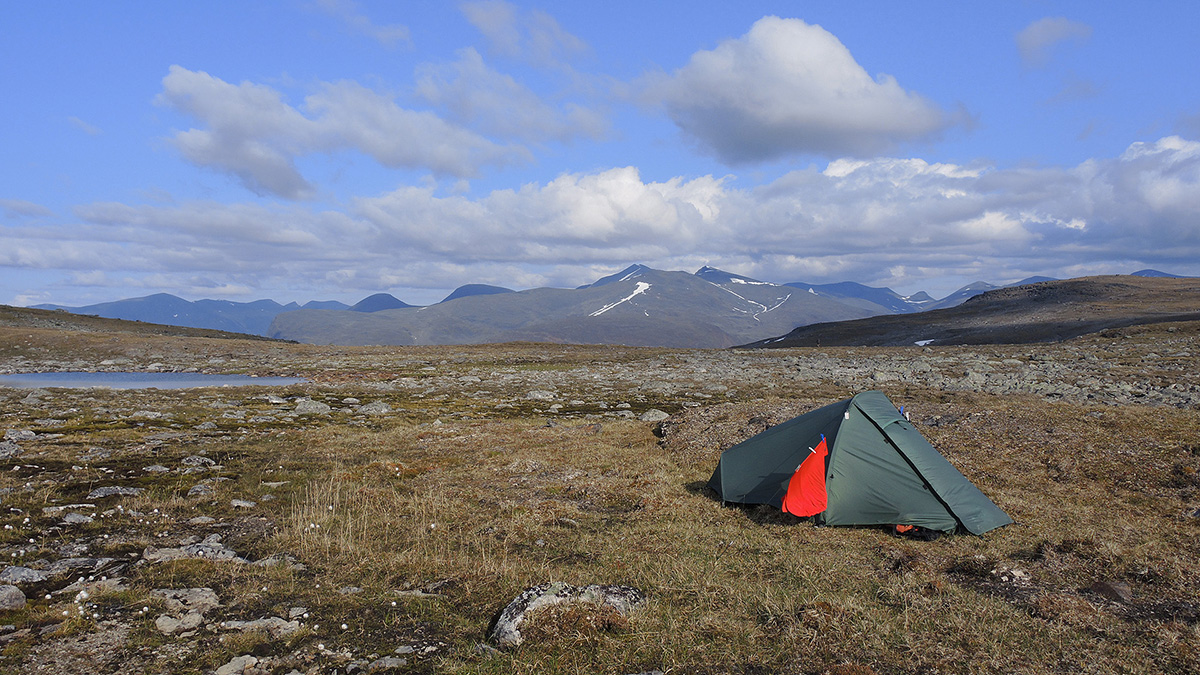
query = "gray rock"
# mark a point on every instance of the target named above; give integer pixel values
(11, 597)
(168, 624)
(386, 663)
(14, 574)
(273, 626)
(77, 566)
(187, 600)
(73, 518)
(198, 460)
(209, 549)
(115, 490)
(653, 415)
(202, 520)
(307, 406)
(540, 395)
(237, 665)
(9, 449)
(156, 468)
(200, 490)
(242, 503)
(19, 435)
(375, 408)
(507, 631)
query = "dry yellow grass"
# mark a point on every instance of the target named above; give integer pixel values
(445, 510)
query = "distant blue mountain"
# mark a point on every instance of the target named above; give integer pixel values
(322, 304)
(378, 303)
(476, 289)
(239, 317)
(887, 300)
(256, 317)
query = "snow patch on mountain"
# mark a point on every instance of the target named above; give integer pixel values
(642, 287)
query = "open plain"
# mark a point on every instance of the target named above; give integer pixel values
(378, 517)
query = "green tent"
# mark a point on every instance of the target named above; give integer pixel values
(868, 466)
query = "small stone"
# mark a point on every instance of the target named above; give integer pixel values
(385, 663)
(237, 665)
(11, 597)
(200, 490)
(307, 406)
(156, 468)
(202, 520)
(375, 408)
(653, 415)
(242, 503)
(21, 575)
(197, 460)
(115, 490)
(9, 449)
(73, 518)
(350, 590)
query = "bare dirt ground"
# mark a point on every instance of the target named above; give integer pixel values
(377, 518)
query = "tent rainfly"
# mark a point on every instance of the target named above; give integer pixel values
(855, 462)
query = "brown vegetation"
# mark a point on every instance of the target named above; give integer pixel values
(413, 528)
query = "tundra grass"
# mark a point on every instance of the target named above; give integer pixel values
(413, 530)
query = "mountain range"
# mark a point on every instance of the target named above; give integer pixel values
(637, 306)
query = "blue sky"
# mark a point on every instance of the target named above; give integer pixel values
(330, 149)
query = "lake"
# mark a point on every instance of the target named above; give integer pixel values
(129, 380)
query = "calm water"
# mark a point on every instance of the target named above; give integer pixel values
(82, 380)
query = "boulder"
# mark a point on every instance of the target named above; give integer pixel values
(507, 629)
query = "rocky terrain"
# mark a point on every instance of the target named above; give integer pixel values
(380, 517)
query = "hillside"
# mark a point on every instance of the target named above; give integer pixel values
(28, 317)
(1042, 312)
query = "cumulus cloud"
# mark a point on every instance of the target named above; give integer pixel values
(787, 87)
(1036, 41)
(475, 95)
(254, 134)
(881, 221)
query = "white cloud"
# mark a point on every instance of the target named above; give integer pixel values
(477, 96)
(388, 35)
(19, 208)
(86, 128)
(884, 221)
(785, 88)
(534, 36)
(252, 133)
(1038, 39)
